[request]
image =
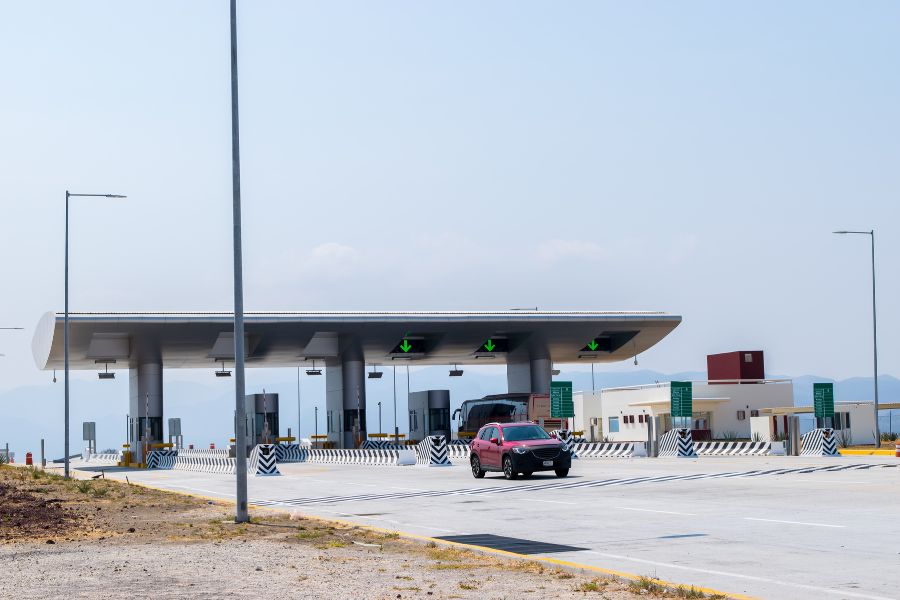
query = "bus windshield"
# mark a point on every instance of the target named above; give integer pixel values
(476, 413)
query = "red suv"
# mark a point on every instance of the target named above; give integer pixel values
(514, 448)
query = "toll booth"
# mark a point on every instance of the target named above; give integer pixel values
(429, 414)
(262, 419)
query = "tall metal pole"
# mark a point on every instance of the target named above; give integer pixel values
(298, 404)
(871, 234)
(875, 344)
(396, 429)
(66, 344)
(240, 411)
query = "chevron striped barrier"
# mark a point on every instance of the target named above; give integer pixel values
(287, 453)
(458, 451)
(819, 442)
(263, 460)
(204, 453)
(381, 445)
(567, 438)
(354, 456)
(677, 442)
(104, 457)
(161, 459)
(732, 448)
(604, 449)
(432, 451)
(204, 464)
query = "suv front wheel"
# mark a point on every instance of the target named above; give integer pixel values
(508, 470)
(477, 471)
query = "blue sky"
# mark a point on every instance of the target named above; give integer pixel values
(690, 157)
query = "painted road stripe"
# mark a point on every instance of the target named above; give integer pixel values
(795, 523)
(662, 512)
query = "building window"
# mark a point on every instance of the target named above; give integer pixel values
(614, 424)
(413, 420)
(748, 357)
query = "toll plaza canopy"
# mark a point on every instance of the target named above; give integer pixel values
(528, 342)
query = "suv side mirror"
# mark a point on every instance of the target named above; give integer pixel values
(495, 441)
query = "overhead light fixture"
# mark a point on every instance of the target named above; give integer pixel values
(374, 373)
(554, 371)
(223, 372)
(105, 374)
(456, 371)
(314, 370)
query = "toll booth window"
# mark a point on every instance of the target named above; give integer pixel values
(155, 428)
(330, 425)
(614, 424)
(350, 418)
(413, 420)
(261, 419)
(439, 419)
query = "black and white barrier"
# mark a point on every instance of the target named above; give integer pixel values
(432, 451)
(263, 460)
(105, 458)
(458, 451)
(732, 448)
(287, 453)
(567, 438)
(819, 442)
(161, 459)
(678, 443)
(605, 449)
(205, 453)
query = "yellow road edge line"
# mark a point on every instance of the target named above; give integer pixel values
(851, 452)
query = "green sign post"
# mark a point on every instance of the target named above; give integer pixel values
(561, 405)
(823, 400)
(682, 399)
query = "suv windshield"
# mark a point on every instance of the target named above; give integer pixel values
(528, 432)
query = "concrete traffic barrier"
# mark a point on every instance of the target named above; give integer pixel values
(432, 452)
(677, 443)
(819, 442)
(732, 448)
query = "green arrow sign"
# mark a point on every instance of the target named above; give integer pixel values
(490, 345)
(405, 346)
(593, 345)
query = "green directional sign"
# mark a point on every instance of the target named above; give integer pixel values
(409, 346)
(493, 346)
(561, 405)
(682, 398)
(598, 344)
(823, 399)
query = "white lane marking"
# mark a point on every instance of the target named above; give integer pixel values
(795, 523)
(550, 501)
(662, 512)
(802, 586)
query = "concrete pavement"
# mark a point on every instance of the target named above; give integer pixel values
(773, 527)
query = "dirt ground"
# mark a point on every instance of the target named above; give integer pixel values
(104, 539)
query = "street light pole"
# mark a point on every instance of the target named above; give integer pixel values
(66, 323)
(241, 514)
(871, 234)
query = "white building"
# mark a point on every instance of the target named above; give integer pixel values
(721, 409)
(853, 422)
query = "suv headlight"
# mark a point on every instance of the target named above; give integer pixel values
(519, 449)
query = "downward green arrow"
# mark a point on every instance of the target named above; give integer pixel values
(490, 345)
(593, 345)
(405, 346)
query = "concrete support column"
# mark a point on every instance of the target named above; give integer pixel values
(145, 400)
(343, 381)
(530, 376)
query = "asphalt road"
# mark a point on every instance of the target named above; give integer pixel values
(772, 527)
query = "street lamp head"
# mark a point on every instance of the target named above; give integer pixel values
(840, 232)
(115, 196)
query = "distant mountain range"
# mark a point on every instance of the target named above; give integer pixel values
(29, 413)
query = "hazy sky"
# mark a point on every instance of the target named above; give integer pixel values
(691, 157)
